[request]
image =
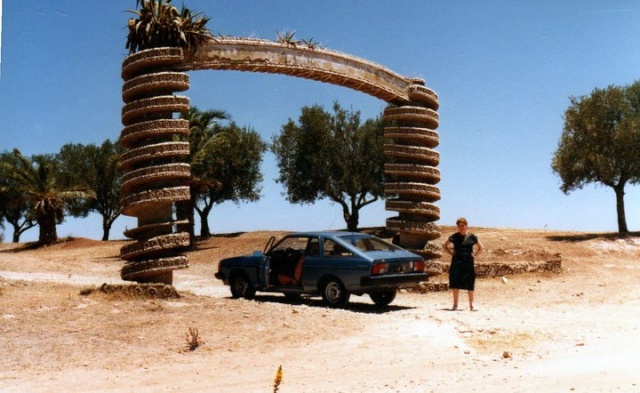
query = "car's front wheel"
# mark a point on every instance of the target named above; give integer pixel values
(383, 298)
(334, 293)
(241, 287)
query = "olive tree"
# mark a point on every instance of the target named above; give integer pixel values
(232, 168)
(97, 169)
(600, 143)
(332, 156)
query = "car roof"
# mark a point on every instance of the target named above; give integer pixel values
(329, 233)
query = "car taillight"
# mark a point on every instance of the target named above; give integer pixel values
(379, 268)
(418, 266)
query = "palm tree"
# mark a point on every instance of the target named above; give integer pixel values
(160, 24)
(36, 181)
(202, 138)
(233, 170)
(13, 210)
(286, 38)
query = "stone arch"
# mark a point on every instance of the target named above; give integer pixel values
(156, 177)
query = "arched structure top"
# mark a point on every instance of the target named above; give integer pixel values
(254, 55)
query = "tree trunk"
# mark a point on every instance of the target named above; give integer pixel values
(48, 231)
(184, 211)
(192, 218)
(622, 218)
(351, 218)
(19, 229)
(205, 231)
(106, 228)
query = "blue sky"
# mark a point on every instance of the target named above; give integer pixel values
(504, 71)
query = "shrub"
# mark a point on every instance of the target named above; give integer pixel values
(193, 339)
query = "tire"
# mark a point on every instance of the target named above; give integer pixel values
(167, 291)
(383, 298)
(334, 293)
(241, 286)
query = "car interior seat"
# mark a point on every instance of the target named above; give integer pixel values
(296, 279)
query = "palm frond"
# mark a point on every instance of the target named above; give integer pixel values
(159, 24)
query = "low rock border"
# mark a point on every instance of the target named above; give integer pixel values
(491, 270)
(149, 291)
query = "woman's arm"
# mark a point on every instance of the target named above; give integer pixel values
(446, 248)
(479, 248)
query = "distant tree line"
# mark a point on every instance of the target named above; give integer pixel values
(324, 155)
(43, 189)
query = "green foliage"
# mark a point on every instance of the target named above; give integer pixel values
(600, 141)
(201, 139)
(234, 164)
(96, 168)
(225, 163)
(37, 183)
(160, 24)
(332, 156)
(286, 37)
(15, 210)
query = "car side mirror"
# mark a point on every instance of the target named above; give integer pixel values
(257, 253)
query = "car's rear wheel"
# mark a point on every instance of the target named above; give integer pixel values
(334, 293)
(383, 298)
(241, 287)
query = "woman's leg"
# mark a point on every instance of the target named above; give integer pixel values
(456, 293)
(471, 296)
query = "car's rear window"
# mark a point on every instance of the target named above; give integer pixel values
(367, 243)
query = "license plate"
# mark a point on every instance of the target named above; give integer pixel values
(398, 269)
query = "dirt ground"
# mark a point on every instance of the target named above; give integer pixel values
(578, 330)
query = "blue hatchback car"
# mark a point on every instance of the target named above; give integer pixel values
(333, 265)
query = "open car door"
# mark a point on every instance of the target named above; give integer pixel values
(264, 267)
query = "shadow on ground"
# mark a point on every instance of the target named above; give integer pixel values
(317, 302)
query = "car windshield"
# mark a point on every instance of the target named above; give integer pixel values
(368, 243)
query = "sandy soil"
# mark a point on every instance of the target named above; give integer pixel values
(574, 331)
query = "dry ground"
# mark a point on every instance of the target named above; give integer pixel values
(574, 331)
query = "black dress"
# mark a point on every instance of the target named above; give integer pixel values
(462, 273)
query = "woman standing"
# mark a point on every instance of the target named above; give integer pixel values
(462, 273)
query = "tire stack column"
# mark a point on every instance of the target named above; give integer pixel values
(156, 173)
(411, 170)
